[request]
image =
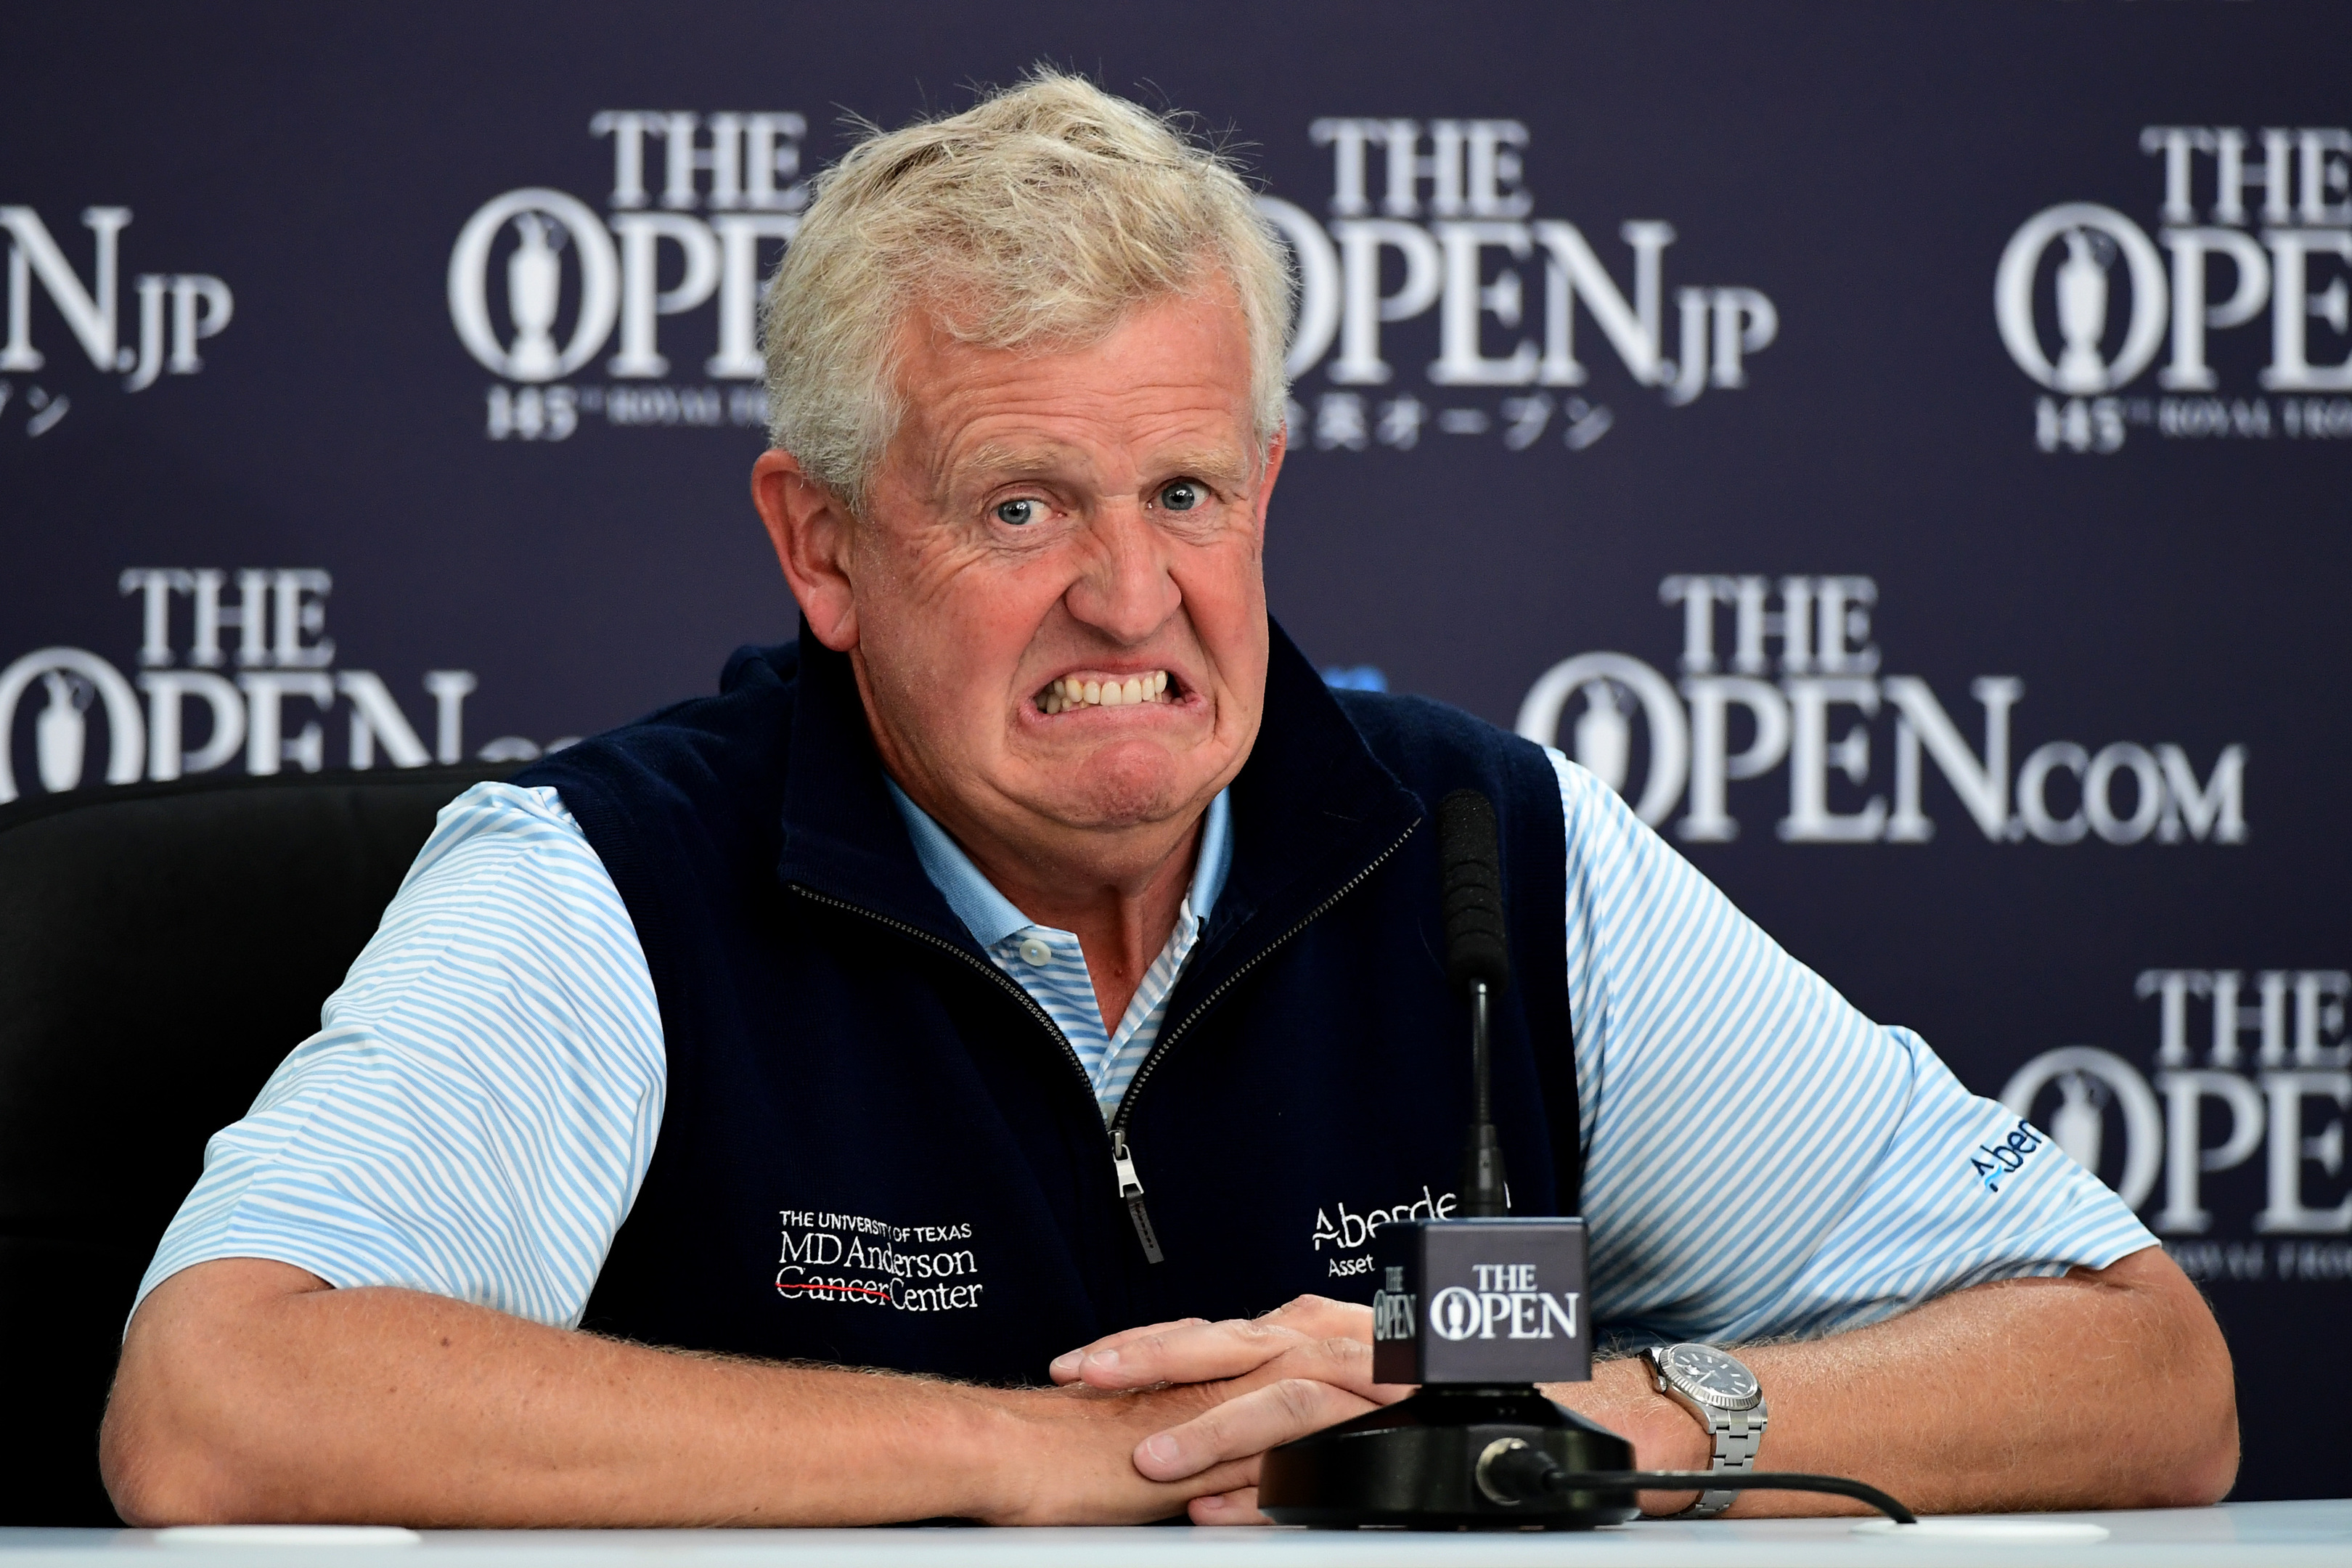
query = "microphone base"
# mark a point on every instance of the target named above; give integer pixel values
(1414, 1466)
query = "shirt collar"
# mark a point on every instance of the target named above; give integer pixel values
(990, 917)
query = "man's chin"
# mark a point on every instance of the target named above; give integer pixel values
(1110, 794)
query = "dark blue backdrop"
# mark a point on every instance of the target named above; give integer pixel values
(1937, 414)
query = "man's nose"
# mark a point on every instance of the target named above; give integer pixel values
(1124, 590)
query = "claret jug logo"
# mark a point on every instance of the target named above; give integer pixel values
(2254, 227)
(2229, 1137)
(1835, 720)
(176, 310)
(540, 284)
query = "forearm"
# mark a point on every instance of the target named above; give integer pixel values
(240, 1399)
(2096, 1390)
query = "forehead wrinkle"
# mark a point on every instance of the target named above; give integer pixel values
(1216, 461)
(993, 461)
(993, 458)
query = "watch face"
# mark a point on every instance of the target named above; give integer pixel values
(1708, 1375)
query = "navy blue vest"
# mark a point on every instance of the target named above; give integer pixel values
(877, 1152)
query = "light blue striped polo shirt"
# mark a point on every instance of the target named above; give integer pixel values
(477, 1112)
(1049, 963)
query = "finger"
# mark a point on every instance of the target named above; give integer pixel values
(1321, 1318)
(1188, 1353)
(1257, 1421)
(1157, 1352)
(1065, 1367)
(1343, 1362)
(1219, 1480)
(1236, 1507)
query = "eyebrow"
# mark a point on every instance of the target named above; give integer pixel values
(1211, 462)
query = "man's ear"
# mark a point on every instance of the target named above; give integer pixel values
(809, 529)
(1277, 448)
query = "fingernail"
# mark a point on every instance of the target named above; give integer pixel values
(1210, 1503)
(1161, 1449)
(1068, 1361)
(1103, 1361)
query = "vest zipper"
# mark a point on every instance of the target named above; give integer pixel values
(1122, 1159)
(1125, 1182)
(1128, 1185)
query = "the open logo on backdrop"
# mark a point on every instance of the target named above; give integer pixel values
(1433, 224)
(2255, 227)
(2232, 1139)
(176, 310)
(1435, 302)
(234, 670)
(541, 284)
(1784, 676)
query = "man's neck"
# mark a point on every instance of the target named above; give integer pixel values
(1121, 926)
(1122, 914)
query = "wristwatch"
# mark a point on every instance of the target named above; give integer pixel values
(1727, 1401)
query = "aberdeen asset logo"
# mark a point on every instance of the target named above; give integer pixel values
(1436, 219)
(2254, 227)
(540, 283)
(176, 310)
(1352, 1232)
(1833, 720)
(1992, 1161)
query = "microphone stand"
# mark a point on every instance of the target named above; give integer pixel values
(1485, 1190)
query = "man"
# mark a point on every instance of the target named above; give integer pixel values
(1000, 986)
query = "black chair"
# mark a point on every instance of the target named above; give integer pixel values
(162, 948)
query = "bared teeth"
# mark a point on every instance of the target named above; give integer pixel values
(1071, 692)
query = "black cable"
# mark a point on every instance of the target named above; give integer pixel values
(1727, 1480)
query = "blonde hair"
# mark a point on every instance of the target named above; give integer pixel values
(1037, 219)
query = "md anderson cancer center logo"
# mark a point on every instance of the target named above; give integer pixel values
(1436, 304)
(856, 1260)
(2255, 227)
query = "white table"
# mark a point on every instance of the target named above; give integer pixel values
(2237, 1535)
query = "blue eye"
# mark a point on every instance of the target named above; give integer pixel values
(1019, 513)
(1182, 495)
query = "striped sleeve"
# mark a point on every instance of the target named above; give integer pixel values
(478, 1110)
(1761, 1159)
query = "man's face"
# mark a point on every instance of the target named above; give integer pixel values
(1059, 606)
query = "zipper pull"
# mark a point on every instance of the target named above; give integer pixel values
(1130, 1187)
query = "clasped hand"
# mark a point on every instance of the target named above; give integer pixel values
(1297, 1370)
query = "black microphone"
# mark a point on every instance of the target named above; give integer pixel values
(1470, 861)
(1478, 963)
